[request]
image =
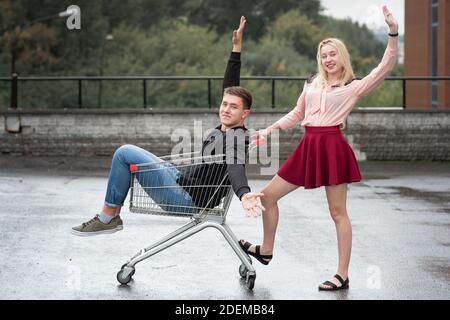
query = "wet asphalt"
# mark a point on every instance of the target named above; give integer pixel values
(400, 215)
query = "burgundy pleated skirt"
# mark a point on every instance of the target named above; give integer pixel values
(322, 158)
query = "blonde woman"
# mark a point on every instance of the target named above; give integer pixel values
(323, 157)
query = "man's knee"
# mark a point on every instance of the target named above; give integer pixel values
(124, 149)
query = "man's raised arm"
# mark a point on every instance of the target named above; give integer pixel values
(233, 70)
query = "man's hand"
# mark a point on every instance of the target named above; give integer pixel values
(250, 203)
(238, 34)
(390, 20)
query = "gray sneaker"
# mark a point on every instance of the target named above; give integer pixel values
(95, 226)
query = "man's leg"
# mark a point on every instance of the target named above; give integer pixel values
(119, 175)
(159, 181)
(108, 220)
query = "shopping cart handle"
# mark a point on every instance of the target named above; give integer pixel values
(134, 168)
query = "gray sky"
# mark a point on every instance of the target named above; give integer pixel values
(366, 11)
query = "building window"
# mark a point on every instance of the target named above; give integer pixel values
(434, 52)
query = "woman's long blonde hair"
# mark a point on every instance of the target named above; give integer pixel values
(347, 71)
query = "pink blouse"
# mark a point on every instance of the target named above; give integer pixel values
(330, 106)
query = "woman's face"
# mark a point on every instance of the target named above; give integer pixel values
(330, 60)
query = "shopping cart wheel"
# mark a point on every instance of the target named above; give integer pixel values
(243, 271)
(124, 265)
(122, 279)
(251, 281)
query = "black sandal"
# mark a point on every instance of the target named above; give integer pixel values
(344, 284)
(260, 257)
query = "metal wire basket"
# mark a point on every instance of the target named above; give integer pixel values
(203, 178)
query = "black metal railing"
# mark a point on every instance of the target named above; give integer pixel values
(14, 83)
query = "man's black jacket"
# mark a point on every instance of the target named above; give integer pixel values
(201, 181)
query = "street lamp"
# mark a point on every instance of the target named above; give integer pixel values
(17, 32)
(109, 37)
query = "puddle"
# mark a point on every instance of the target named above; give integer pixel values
(435, 197)
(439, 267)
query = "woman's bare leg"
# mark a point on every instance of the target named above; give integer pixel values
(337, 204)
(275, 190)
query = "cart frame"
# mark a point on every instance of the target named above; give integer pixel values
(201, 218)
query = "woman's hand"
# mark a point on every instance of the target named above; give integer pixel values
(390, 20)
(260, 137)
(250, 203)
(238, 35)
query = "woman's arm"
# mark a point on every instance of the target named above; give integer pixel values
(296, 115)
(288, 121)
(377, 75)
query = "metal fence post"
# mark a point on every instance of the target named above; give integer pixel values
(209, 94)
(144, 83)
(404, 93)
(13, 102)
(273, 93)
(80, 102)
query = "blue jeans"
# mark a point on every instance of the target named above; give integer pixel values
(175, 197)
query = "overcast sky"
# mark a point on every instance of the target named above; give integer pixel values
(366, 11)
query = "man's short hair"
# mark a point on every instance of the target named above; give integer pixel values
(242, 93)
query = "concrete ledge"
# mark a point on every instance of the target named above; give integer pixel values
(373, 134)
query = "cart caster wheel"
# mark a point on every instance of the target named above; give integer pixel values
(122, 279)
(251, 282)
(124, 265)
(243, 271)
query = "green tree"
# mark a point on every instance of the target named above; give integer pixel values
(182, 49)
(358, 35)
(218, 14)
(156, 37)
(297, 31)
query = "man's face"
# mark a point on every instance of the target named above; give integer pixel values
(232, 112)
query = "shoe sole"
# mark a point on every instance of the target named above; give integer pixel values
(335, 289)
(95, 233)
(254, 255)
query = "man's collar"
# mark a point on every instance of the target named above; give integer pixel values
(219, 127)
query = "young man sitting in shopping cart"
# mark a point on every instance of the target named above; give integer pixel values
(234, 109)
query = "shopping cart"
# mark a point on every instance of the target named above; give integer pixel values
(206, 206)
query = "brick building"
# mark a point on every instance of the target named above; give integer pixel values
(427, 52)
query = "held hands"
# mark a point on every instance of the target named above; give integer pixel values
(390, 20)
(250, 203)
(260, 137)
(238, 35)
